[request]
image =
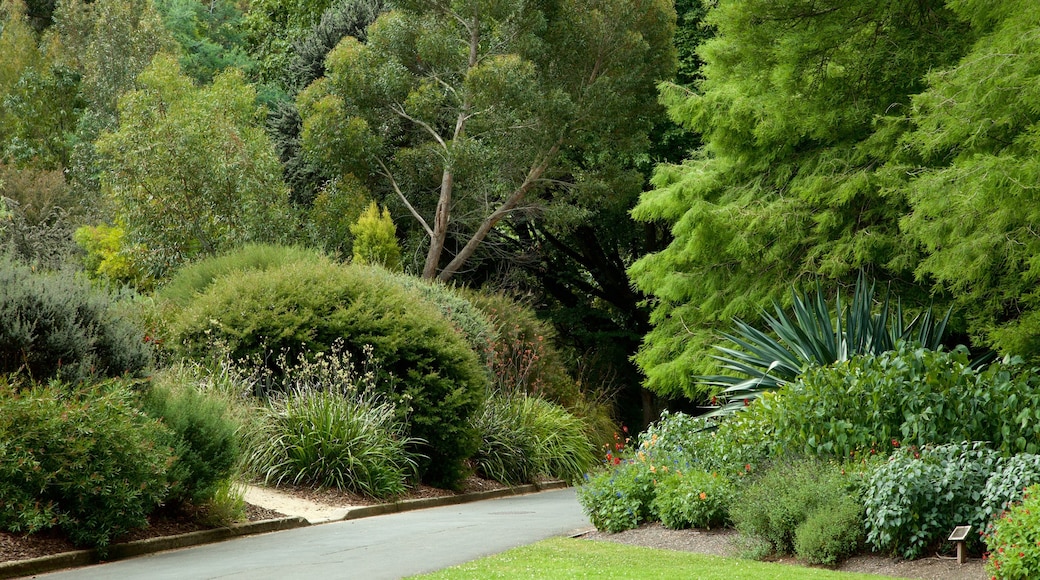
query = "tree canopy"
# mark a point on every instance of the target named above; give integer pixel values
(465, 114)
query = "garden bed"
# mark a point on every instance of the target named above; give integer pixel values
(725, 542)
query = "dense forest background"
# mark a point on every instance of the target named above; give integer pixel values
(641, 172)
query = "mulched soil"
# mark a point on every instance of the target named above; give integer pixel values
(163, 523)
(725, 542)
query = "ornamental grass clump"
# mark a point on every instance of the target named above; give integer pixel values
(523, 437)
(333, 439)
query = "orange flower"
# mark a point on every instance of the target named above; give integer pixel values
(704, 495)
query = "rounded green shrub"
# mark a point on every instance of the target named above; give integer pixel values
(333, 439)
(1006, 484)
(194, 279)
(914, 499)
(1013, 540)
(423, 366)
(786, 494)
(692, 498)
(87, 462)
(831, 533)
(56, 325)
(204, 437)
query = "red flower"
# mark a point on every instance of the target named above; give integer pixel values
(895, 443)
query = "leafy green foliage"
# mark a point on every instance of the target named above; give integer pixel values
(375, 238)
(786, 183)
(205, 437)
(524, 437)
(209, 33)
(425, 368)
(55, 325)
(778, 504)
(971, 203)
(478, 102)
(914, 395)
(194, 279)
(915, 499)
(191, 173)
(1014, 540)
(523, 356)
(333, 211)
(692, 498)
(812, 337)
(1006, 484)
(108, 257)
(87, 462)
(618, 499)
(334, 439)
(831, 533)
(732, 447)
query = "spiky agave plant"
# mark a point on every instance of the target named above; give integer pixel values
(811, 335)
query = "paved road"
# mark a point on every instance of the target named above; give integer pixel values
(381, 547)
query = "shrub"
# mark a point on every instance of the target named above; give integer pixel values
(919, 495)
(375, 239)
(1013, 540)
(913, 395)
(692, 498)
(428, 372)
(523, 437)
(87, 462)
(732, 446)
(779, 502)
(194, 279)
(55, 325)
(618, 499)
(524, 358)
(831, 533)
(108, 257)
(1005, 484)
(204, 438)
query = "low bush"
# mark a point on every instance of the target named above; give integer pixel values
(333, 439)
(1013, 540)
(778, 503)
(55, 325)
(692, 498)
(194, 279)
(86, 462)
(1006, 484)
(205, 437)
(422, 365)
(831, 533)
(524, 358)
(914, 499)
(523, 437)
(732, 447)
(618, 499)
(915, 396)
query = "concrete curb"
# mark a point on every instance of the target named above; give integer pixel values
(44, 564)
(78, 558)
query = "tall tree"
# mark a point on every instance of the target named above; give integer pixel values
(786, 184)
(975, 166)
(468, 113)
(190, 169)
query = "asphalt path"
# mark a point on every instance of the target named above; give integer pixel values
(382, 547)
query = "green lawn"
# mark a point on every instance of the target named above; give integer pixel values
(571, 558)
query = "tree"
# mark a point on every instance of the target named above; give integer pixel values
(468, 114)
(190, 170)
(974, 166)
(209, 33)
(787, 183)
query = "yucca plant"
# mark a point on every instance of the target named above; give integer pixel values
(814, 334)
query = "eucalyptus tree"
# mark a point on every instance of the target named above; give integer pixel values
(467, 113)
(190, 170)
